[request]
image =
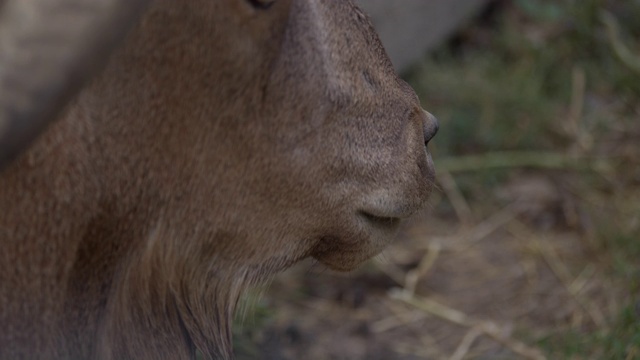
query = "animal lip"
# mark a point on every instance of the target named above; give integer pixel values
(386, 211)
(384, 221)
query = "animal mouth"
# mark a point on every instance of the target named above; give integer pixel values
(380, 221)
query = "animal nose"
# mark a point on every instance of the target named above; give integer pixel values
(430, 127)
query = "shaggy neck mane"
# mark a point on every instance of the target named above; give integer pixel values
(194, 292)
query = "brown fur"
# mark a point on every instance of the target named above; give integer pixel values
(221, 145)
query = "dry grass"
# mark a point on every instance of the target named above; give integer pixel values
(488, 289)
(531, 247)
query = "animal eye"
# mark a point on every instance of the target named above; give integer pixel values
(261, 4)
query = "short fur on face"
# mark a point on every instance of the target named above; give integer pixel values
(222, 144)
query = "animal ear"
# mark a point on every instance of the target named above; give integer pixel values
(261, 4)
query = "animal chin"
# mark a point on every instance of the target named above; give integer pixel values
(347, 259)
(340, 260)
(347, 253)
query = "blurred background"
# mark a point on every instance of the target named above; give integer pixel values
(530, 246)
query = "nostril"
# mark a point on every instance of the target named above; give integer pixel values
(430, 127)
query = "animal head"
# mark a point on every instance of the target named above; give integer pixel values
(222, 142)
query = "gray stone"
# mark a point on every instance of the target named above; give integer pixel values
(410, 28)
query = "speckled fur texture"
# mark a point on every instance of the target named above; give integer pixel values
(221, 144)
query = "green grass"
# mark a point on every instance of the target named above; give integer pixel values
(510, 86)
(622, 341)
